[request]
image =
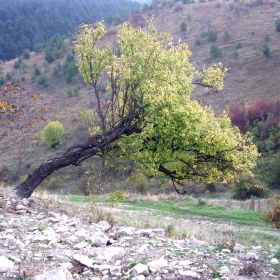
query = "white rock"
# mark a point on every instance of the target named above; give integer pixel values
(159, 231)
(140, 269)
(84, 260)
(185, 263)
(56, 274)
(144, 232)
(238, 248)
(233, 261)
(140, 277)
(127, 231)
(249, 256)
(224, 270)
(81, 232)
(115, 270)
(188, 274)
(274, 261)
(81, 245)
(15, 259)
(62, 229)
(157, 264)
(114, 253)
(103, 225)
(54, 215)
(99, 239)
(143, 248)
(5, 263)
(226, 251)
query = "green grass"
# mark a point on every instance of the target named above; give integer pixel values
(192, 207)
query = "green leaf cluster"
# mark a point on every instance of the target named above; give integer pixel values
(52, 133)
(151, 77)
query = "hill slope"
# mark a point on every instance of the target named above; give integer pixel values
(242, 30)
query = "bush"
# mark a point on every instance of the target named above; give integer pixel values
(26, 54)
(273, 215)
(183, 27)
(266, 50)
(69, 68)
(197, 41)
(276, 171)
(2, 80)
(246, 185)
(178, 7)
(277, 25)
(236, 54)
(215, 51)
(52, 133)
(267, 38)
(238, 45)
(16, 65)
(37, 71)
(8, 76)
(42, 80)
(226, 35)
(211, 35)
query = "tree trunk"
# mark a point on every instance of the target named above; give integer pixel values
(94, 145)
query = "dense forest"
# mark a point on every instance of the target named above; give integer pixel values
(27, 23)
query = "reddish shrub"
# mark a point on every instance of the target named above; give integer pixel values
(137, 18)
(260, 110)
(237, 115)
(178, 7)
(273, 215)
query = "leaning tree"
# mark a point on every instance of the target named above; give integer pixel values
(148, 115)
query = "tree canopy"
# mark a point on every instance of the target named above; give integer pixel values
(147, 114)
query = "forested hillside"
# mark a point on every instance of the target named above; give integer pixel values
(27, 24)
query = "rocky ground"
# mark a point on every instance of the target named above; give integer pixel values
(43, 243)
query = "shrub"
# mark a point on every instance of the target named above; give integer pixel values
(273, 215)
(115, 197)
(211, 34)
(16, 65)
(197, 41)
(237, 115)
(226, 35)
(238, 45)
(49, 55)
(266, 38)
(42, 80)
(37, 71)
(2, 80)
(235, 54)
(277, 25)
(183, 27)
(57, 71)
(26, 54)
(260, 110)
(8, 76)
(69, 68)
(246, 185)
(215, 51)
(39, 47)
(266, 50)
(137, 18)
(178, 7)
(52, 133)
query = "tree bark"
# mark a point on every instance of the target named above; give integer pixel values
(96, 145)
